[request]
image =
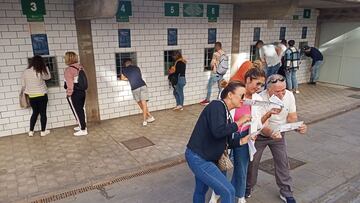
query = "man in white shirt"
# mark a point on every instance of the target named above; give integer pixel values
(276, 85)
(271, 55)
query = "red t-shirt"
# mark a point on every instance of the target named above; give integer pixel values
(240, 73)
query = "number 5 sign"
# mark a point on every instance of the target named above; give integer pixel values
(33, 7)
(171, 9)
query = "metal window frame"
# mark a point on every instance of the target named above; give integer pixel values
(207, 59)
(119, 57)
(51, 63)
(168, 59)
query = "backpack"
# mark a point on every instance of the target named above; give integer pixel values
(223, 65)
(82, 83)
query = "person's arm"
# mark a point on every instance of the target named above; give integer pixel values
(219, 126)
(123, 77)
(214, 61)
(262, 55)
(69, 75)
(23, 83)
(46, 76)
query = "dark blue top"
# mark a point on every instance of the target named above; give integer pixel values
(315, 54)
(133, 74)
(212, 130)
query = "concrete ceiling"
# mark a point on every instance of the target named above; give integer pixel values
(302, 3)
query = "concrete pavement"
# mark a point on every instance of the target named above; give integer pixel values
(330, 150)
(33, 168)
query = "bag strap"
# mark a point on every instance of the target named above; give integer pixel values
(228, 117)
(78, 69)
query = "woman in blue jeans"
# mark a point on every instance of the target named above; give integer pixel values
(212, 132)
(179, 73)
(254, 81)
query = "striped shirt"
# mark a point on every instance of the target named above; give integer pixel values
(292, 58)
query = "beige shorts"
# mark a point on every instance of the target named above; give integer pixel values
(141, 94)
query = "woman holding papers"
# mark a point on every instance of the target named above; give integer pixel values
(254, 81)
(212, 134)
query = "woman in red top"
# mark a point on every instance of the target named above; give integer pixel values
(247, 65)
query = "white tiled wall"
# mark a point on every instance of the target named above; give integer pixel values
(15, 48)
(270, 30)
(149, 40)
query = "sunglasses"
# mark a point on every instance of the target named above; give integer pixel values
(242, 96)
(260, 84)
(276, 80)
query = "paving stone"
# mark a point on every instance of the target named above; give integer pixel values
(35, 165)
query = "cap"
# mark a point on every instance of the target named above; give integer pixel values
(306, 47)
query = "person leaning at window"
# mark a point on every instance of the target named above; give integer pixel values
(33, 83)
(212, 132)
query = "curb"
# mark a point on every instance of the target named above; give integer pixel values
(99, 183)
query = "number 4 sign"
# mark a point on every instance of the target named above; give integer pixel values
(124, 11)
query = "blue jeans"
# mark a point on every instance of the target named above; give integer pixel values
(179, 91)
(291, 81)
(214, 78)
(207, 174)
(315, 71)
(241, 162)
(271, 70)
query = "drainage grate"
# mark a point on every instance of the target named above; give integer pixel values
(100, 186)
(354, 89)
(137, 143)
(355, 96)
(268, 165)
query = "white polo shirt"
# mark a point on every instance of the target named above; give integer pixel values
(289, 107)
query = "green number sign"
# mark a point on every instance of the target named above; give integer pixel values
(193, 10)
(212, 10)
(33, 7)
(171, 9)
(307, 13)
(124, 11)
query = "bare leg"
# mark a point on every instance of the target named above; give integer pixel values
(143, 108)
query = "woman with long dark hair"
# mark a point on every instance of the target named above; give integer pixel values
(33, 84)
(212, 133)
(177, 73)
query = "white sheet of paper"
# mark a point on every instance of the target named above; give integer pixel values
(252, 149)
(275, 100)
(266, 104)
(290, 126)
(251, 143)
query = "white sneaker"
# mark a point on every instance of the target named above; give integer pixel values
(178, 108)
(145, 123)
(44, 133)
(150, 119)
(31, 133)
(77, 128)
(81, 133)
(242, 200)
(214, 198)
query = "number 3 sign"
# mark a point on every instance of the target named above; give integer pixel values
(33, 7)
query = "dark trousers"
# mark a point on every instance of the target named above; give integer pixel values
(38, 105)
(77, 102)
(281, 163)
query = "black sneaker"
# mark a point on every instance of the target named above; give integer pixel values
(288, 199)
(247, 193)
